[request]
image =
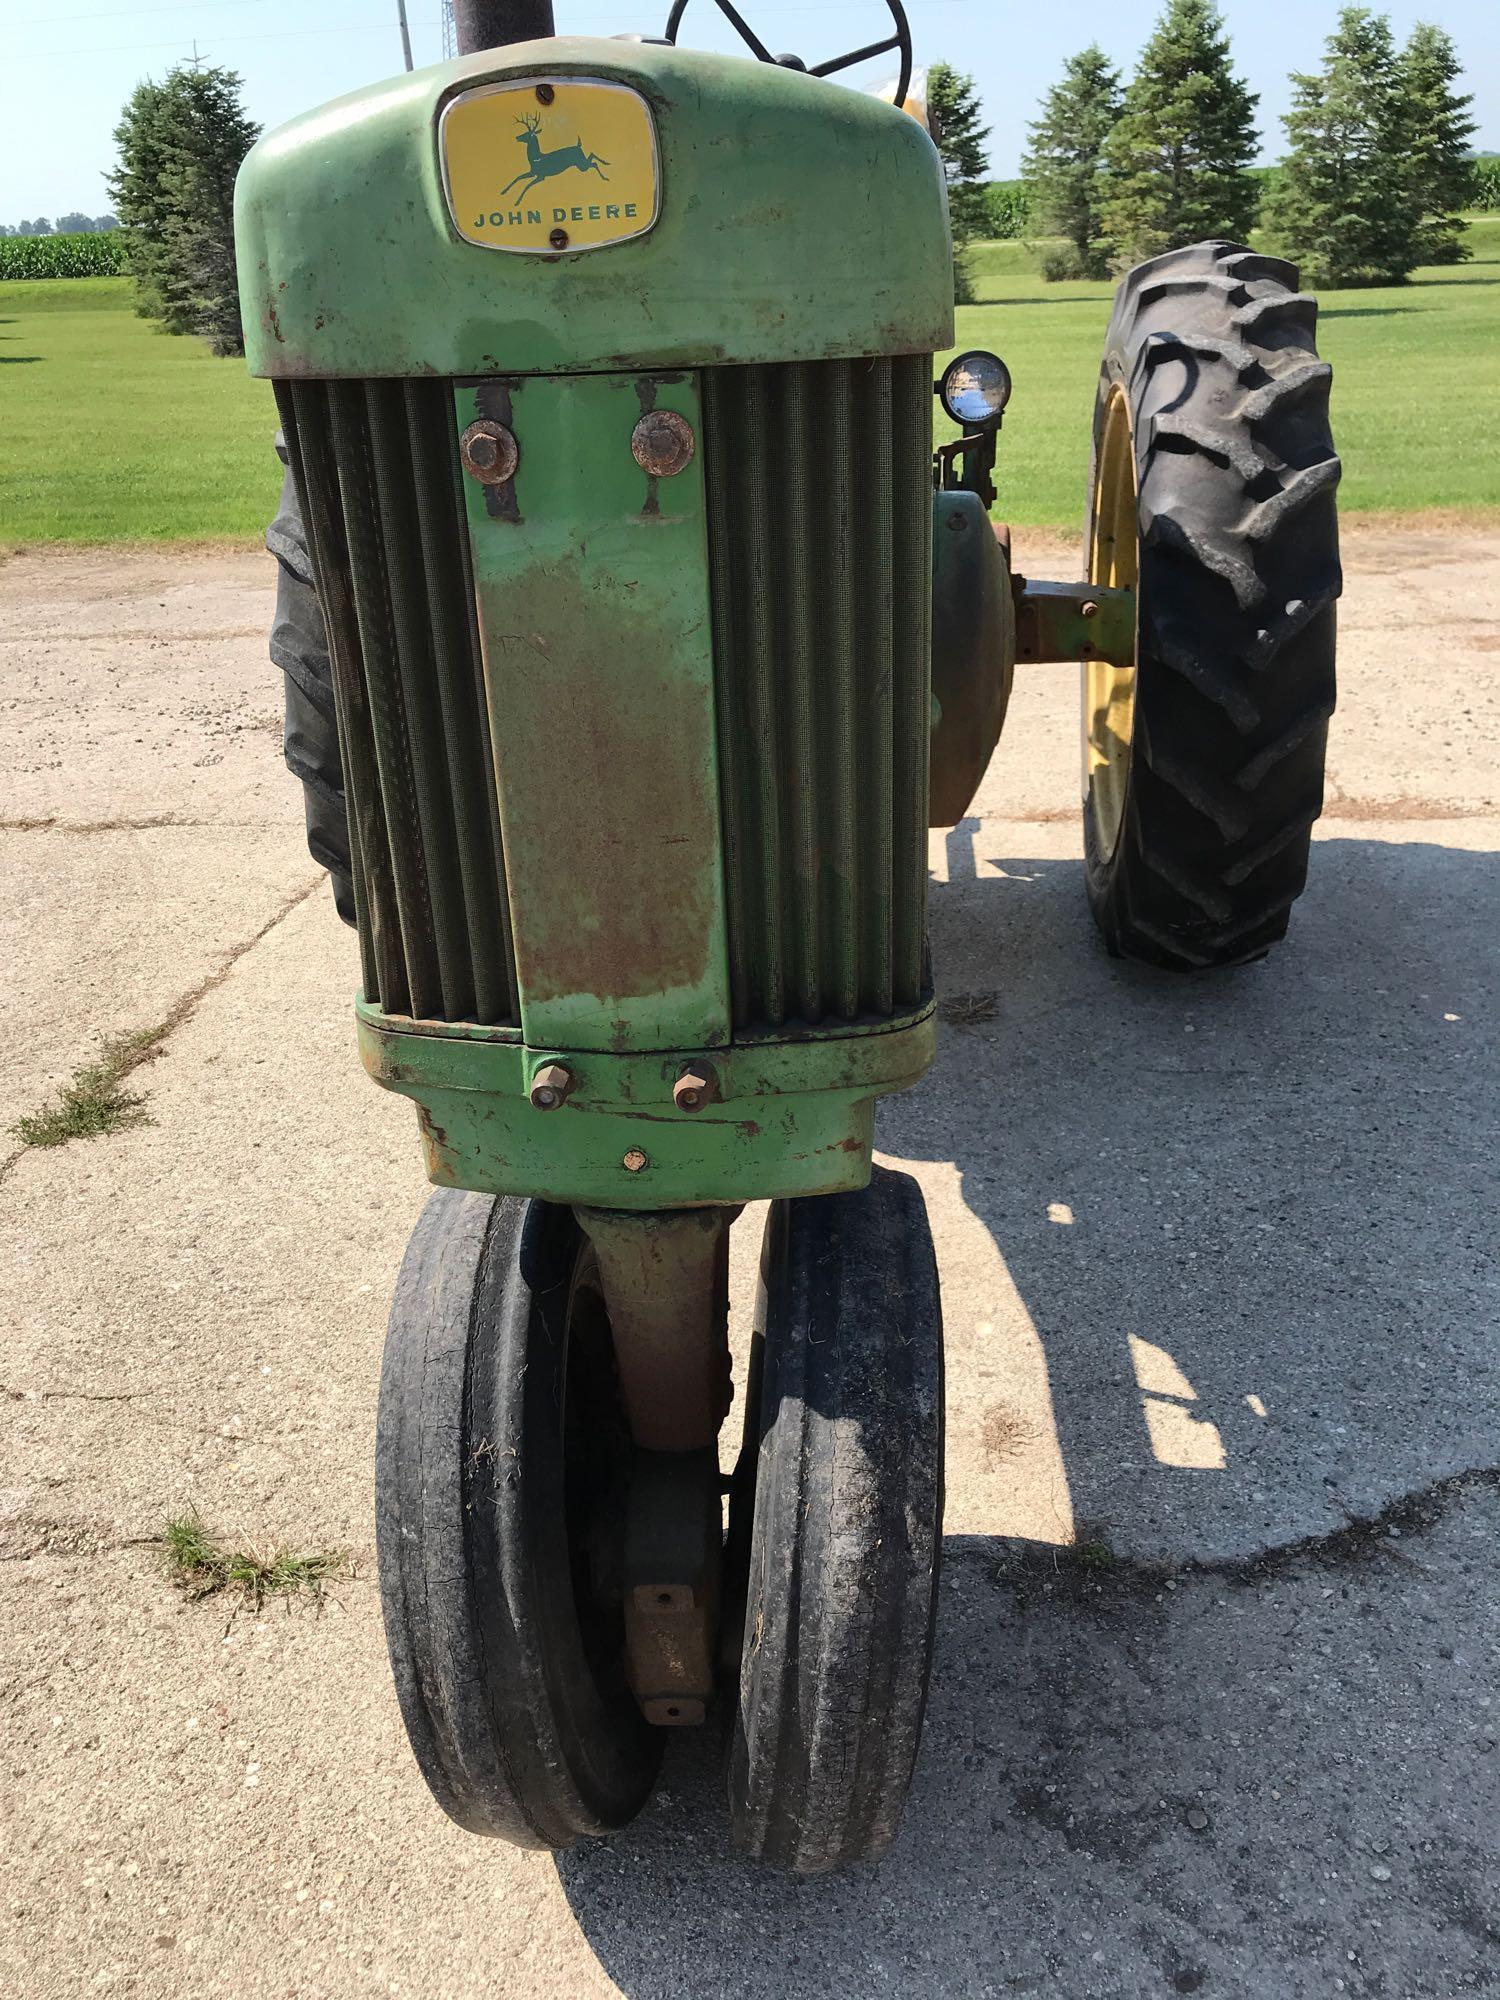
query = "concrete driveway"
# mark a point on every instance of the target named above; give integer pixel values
(1217, 1692)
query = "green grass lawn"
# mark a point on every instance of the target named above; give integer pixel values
(1416, 383)
(116, 432)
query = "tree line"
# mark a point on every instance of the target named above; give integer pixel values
(1375, 177)
(71, 224)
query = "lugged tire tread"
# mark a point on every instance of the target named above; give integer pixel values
(1252, 774)
(1239, 578)
(1273, 398)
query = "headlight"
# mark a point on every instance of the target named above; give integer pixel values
(975, 389)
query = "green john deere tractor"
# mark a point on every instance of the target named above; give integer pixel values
(660, 637)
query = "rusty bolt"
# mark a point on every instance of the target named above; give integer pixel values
(489, 452)
(1088, 608)
(559, 239)
(550, 1086)
(662, 443)
(545, 93)
(696, 1087)
(634, 1160)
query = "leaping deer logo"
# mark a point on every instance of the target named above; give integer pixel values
(542, 166)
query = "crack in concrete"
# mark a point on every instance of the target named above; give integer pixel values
(1403, 811)
(70, 1541)
(1407, 810)
(1089, 1565)
(183, 1009)
(146, 823)
(130, 1397)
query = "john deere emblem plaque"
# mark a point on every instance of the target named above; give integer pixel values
(550, 164)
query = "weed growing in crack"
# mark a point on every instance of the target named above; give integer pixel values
(201, 1566)
(967, 1010)
(1090, 1555)
(96, 1101)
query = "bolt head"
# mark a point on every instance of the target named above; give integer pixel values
(550, 1086)
(1088, 608)
(662, 443)
(489, 452)
(694, 1088)
(634, 1160)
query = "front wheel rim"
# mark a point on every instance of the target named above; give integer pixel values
(1109, 690)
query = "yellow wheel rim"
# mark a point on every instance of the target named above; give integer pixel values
(1109, 691)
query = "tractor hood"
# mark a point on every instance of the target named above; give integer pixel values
(575, 205)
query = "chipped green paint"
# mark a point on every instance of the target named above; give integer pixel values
(591, 580)
(791, 1118)
(800, 220)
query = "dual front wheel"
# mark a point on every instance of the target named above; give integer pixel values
(503, 1464)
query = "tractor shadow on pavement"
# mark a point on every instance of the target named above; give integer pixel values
(1234, 1743)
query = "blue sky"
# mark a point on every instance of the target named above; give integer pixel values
(69, 68)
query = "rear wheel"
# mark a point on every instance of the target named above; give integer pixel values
(1212, 495)
(502, 1459)
(847, 1443)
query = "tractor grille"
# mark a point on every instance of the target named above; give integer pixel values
(378, 469)
(820, 519)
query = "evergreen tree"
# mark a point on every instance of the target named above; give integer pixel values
(1439, 172)
(1342, 205)
(1177, 161)
(181, 143)
(954, 113)
(1061, 167)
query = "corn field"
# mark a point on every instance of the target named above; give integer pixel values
(86, 256)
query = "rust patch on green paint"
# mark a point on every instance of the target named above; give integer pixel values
(598, 664)
(432, 1132)
(607, 799)
(496, 400)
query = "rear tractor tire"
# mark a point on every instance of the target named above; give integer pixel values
(1212, 494)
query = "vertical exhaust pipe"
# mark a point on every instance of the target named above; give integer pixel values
(490, 24)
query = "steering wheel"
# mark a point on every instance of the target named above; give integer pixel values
(900, 40)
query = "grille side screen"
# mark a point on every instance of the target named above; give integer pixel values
(376, 465)
(820, 533)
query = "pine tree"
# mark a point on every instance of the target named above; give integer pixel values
(1061, 167)
(1439, 171)
(1177, 161)
(953, 108)
(181, 143)
(1342, 205)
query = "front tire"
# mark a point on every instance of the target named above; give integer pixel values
(501, 1456)
(1213, 496)
(846, 1441)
